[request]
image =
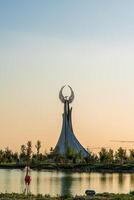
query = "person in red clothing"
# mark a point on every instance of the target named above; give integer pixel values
(27, 179)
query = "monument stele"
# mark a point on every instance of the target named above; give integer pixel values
(67, 137)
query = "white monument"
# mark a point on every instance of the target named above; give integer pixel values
(67, 137)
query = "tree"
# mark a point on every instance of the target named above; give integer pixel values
(103, 155)
(1, 156)
(8, 155)
(15, 157)
(29, 151)
(80, 155)
(131, 156)
(110, 156)
(121, 155)
(69, 153)
(38, 146)
(23, 153)
(92, 158)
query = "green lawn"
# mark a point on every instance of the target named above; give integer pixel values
(103, 196)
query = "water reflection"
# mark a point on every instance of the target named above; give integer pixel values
(61, 183)
(121, 179)
(132, 181)
(38, 182)
(22, 181)
(103, 179)
(7, 180)
(66, 184)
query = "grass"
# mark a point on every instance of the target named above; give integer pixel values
(103, 196)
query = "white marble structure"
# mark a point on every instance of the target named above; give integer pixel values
(67, 138)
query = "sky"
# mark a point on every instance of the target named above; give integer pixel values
(46, 44)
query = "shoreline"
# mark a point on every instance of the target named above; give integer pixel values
(81, 168)
(98, 196)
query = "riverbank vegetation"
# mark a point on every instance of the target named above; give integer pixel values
(106, 160)
(103, 196)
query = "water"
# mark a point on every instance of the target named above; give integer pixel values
(52, 182)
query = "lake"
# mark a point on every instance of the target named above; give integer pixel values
(53, 182)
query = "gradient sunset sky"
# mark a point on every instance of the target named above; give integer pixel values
(46, 44)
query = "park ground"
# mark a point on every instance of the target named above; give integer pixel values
(103, 196)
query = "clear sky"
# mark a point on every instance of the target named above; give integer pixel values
(87, 44)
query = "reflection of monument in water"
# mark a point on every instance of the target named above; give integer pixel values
(67, 138)
(66, 184)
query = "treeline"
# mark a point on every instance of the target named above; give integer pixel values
(119, 156)
(104, 156)
(26, 155)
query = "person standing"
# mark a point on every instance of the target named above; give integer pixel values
(27, 179)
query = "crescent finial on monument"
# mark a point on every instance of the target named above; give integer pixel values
(62, 98)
